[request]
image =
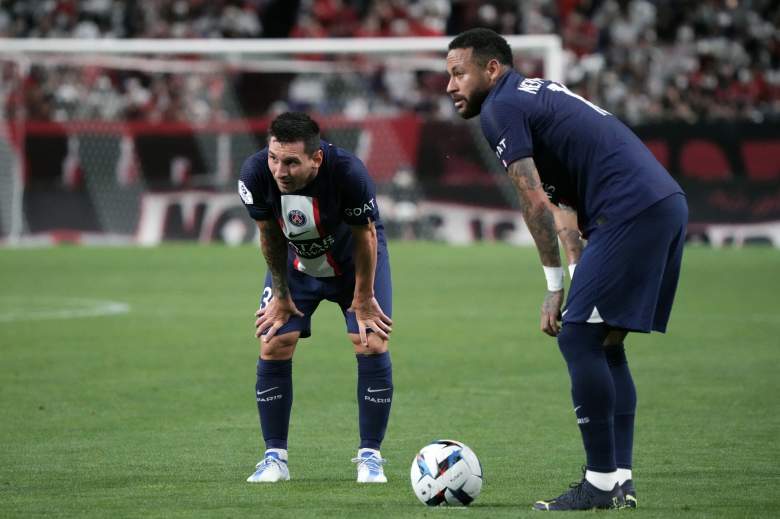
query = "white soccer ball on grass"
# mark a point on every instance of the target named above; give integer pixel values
(446, 472)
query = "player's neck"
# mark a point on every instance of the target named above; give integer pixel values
(313, 177)
(502, 72)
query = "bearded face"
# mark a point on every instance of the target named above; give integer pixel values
(469, 83)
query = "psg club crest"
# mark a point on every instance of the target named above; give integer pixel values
(297, 218)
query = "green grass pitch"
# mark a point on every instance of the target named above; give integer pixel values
(151, 413)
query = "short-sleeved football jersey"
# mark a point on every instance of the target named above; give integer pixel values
(586, 158)
(315, 219)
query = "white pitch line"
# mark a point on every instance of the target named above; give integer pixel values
(58, 308)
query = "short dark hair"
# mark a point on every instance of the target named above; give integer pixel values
(294, 127)
(486, 45)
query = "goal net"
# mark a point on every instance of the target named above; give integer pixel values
(140, 141)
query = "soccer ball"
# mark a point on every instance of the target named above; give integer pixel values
(446, 472)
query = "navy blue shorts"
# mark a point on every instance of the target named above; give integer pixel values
(628, 272)
(308, 291)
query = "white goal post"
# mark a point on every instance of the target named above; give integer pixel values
(99, 154)
(549, 45)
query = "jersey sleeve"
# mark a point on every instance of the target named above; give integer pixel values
(507, 129)
(358, 194)
(252, 191)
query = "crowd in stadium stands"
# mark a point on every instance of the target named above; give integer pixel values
(644, 60)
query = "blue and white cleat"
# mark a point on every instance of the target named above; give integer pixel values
(273, 468)
(369, 466)
(584, 496)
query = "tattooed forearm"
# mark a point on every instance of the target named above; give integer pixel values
(274, 247)
(541, 223)
(537, 211)
(568, 232)
(572, 244)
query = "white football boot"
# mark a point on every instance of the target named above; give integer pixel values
(273, 468)
(369, 466)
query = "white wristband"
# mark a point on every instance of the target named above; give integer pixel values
(572, 266)
(554, 277)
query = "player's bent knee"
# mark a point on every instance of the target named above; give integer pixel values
(376, 344)
(280, 347)
(577, 339)
(615, 337)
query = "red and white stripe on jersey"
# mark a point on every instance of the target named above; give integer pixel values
(301, 222)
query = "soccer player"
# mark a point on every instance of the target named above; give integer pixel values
(322, 238)
(633, 214)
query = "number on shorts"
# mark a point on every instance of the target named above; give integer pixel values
(267, 295)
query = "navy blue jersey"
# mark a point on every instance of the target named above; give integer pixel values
(586, 157)
(315, 219)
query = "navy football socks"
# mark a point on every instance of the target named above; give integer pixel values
(274, 394)
(625, 404)
(375, 395)
(593, 391)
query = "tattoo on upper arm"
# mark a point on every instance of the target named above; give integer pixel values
(523, 174)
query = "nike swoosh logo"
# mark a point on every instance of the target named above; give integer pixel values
(267, 390)
(378, 390)
(296, 234)
(575, 409)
